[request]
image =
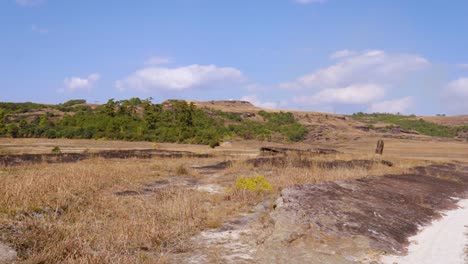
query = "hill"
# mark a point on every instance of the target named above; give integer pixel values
(136, 119)
(461, 120)
(211, 122)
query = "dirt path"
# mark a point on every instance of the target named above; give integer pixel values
(444, 241)
(233, 242)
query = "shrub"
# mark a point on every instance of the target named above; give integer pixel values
(214, 143)
(74, 102)
(254, 184)
(56, 150)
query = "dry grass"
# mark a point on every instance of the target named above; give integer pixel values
(69, 213)
(423, 149)
(447, 120)
(289, 175)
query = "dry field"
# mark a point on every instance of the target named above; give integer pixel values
(433, 150)
(146, 210)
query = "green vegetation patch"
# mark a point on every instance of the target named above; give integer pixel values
(253, 184)
(410, 122)
(136, 119)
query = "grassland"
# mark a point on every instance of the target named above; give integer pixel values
(81, 213)
(149, 210)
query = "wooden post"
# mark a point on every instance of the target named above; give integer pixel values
(380, 146)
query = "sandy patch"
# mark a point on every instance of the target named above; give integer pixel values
(444, 241)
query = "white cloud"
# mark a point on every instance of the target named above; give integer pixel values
(158, 60)
(341, 54)
(76, 83)
(257, 102)
(39, 29)
(458, 87)
(391, 106)
(29, 2)
(455, 96)
(310, 1)
(353, 94)
(178, 79)
(358, 78)
(374, 66)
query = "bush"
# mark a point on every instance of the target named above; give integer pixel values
(253, 184)
(56, 150)
(214, 143)
(74, 102)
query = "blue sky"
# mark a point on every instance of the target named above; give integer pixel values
(331, 55)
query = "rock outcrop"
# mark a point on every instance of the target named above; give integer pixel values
(355, 221)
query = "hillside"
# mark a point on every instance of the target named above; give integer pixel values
(460, 120)
(212, 122)
(136, 119)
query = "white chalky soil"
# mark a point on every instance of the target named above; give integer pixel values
(444, 241)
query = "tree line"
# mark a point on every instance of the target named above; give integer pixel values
(137, 119)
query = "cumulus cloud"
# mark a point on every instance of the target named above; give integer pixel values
(458, 87)
(357, 78)
(374, 66)
(178, 79)
(29, 3)
(353, 94)
(391, 106)
(76, 83)
(455, 95)
(158, 60)
(257, 102)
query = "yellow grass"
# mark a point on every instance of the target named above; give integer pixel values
(69, 213)
(427, 149)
